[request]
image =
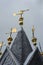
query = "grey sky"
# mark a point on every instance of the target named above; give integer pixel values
(32, 17)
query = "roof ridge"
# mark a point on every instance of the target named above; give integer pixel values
(29, 57)
(13, 57)
(36, 50)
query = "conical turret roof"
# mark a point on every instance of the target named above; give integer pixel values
(21, 47)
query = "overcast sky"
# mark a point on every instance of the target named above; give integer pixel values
(33, 17)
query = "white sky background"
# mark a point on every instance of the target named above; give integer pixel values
(32, 17)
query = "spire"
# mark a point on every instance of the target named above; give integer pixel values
(21, 47)
(34, 39)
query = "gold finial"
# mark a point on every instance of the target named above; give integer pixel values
(33, 29)
(13, 30)
(9, 40)
(21, 12)
(34, 39)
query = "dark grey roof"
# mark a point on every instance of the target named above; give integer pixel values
(21, 47)
(7, 58)
(36, 58)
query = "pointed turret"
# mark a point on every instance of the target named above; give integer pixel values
(21, 47)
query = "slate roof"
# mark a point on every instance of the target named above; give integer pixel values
(7, 58)
(21, 47)
(20, 52)
(36, 58)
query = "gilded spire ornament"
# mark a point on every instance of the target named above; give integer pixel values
(21, 12)
(34, 39)
(10, 39)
